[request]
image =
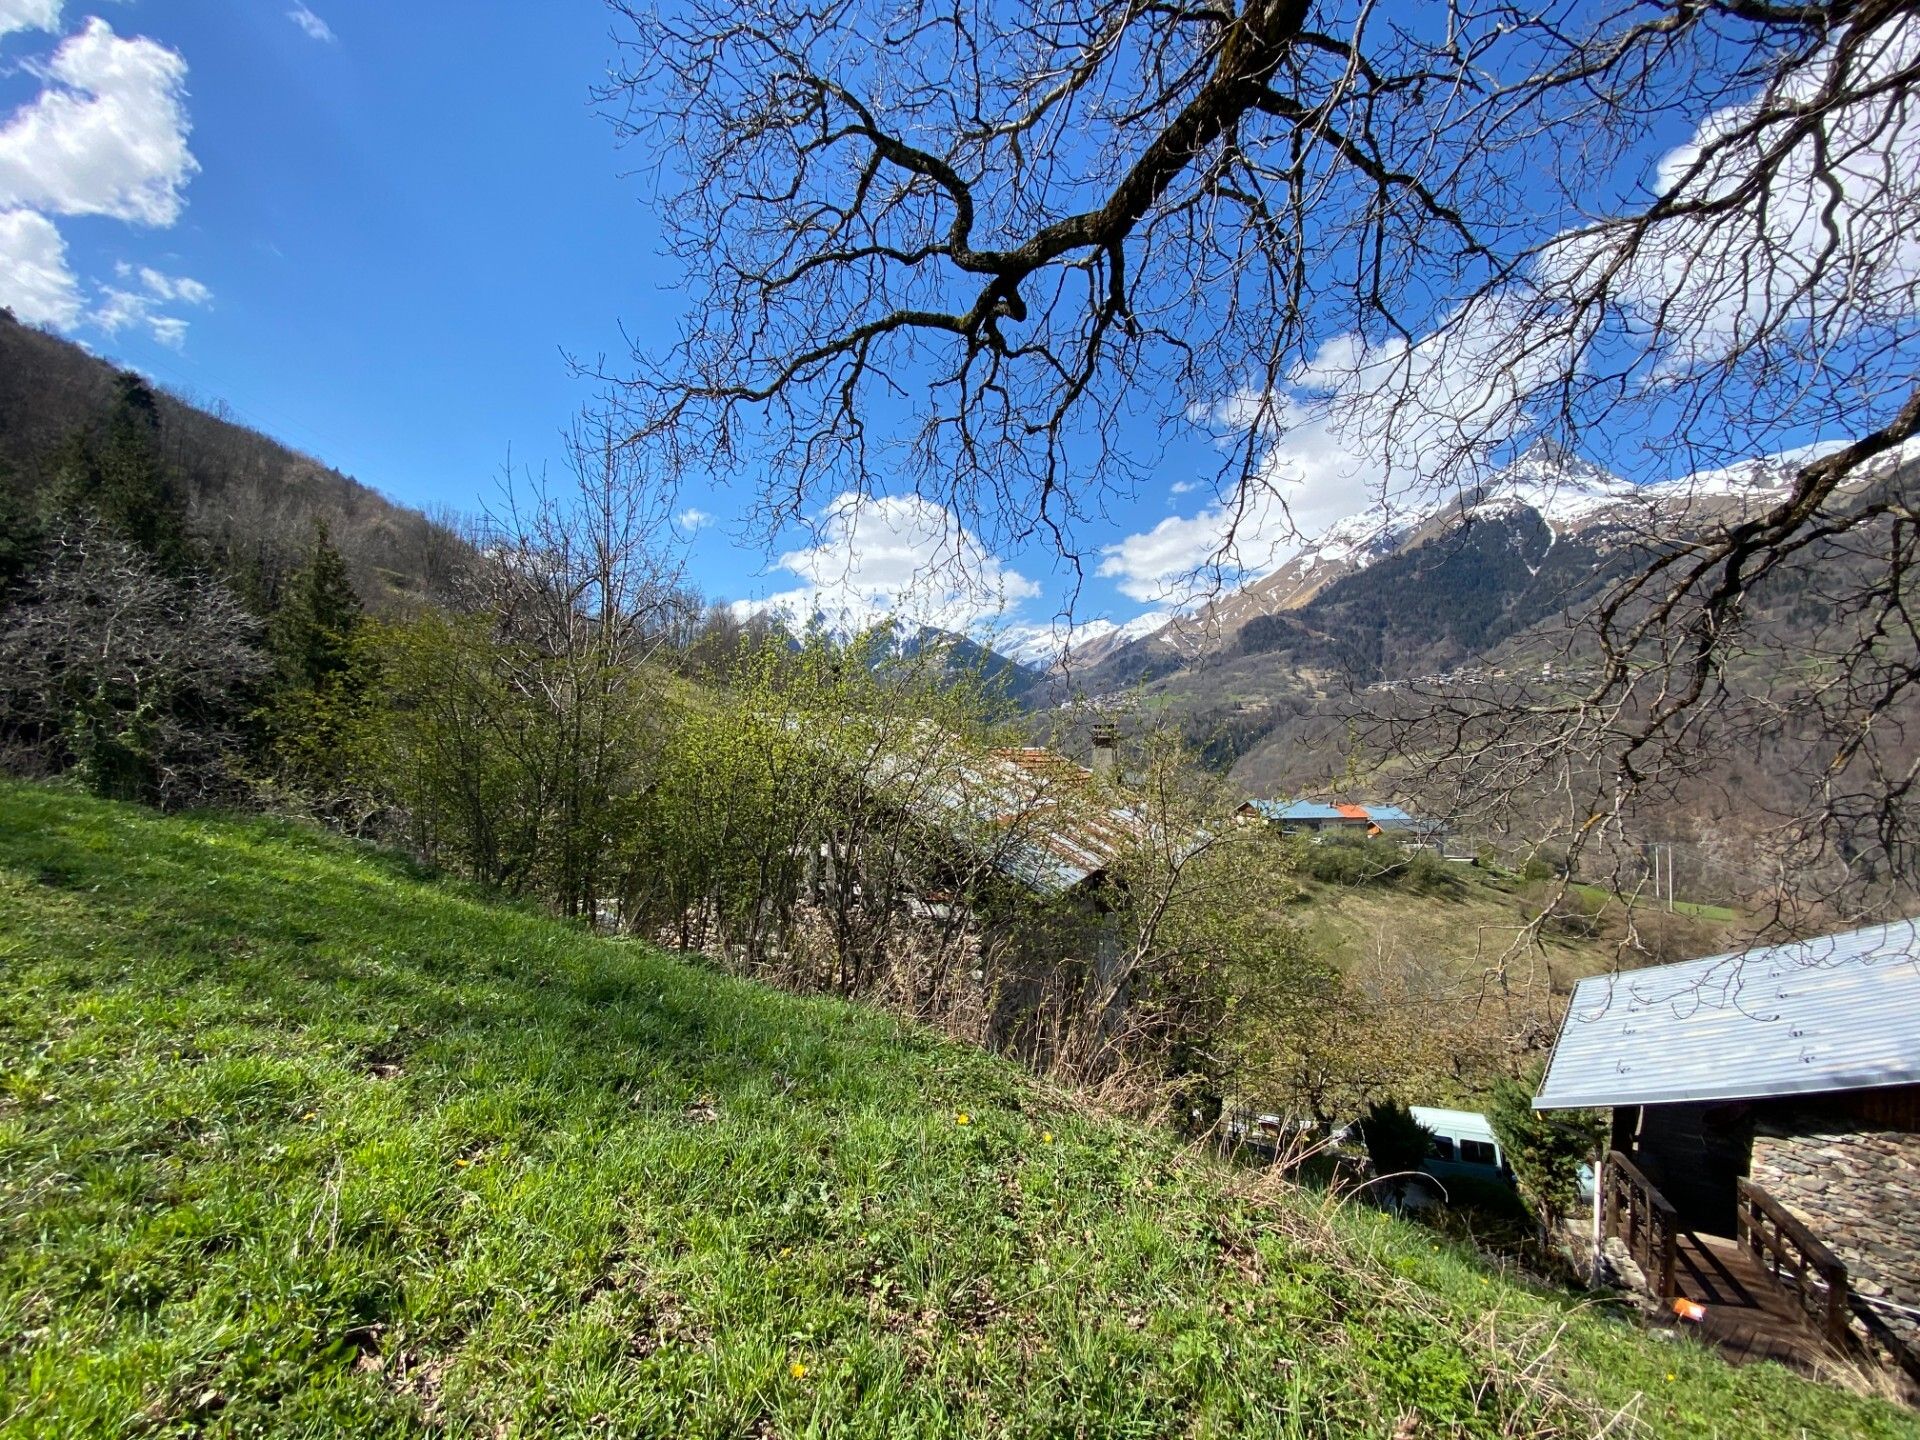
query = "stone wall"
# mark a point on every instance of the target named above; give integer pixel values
(1856, 1185)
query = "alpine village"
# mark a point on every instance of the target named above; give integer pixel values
(903, 719)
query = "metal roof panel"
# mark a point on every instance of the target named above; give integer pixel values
(1840, 1012)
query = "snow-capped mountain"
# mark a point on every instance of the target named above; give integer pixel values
(1085, 642)
(1571, 496)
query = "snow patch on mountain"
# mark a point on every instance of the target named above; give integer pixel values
(1045, 646)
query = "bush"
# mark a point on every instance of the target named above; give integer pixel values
(1340, 860)
(138, 681)
(1544, 1148)
(1396, 1142)
(1544, 864)
(1375, 860)
(1428, 874)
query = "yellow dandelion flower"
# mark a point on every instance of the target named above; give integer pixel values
(963, 1118)
(462, 1164)
(1670, 1377)
(1046, 1137)
(797, 1370)
(785, 1250)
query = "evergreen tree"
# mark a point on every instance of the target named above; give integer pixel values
(320, 687)
(20, 536)
(311, 635)
(1546, 1149)
(120, 479)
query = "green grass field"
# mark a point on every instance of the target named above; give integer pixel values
(294, 1141)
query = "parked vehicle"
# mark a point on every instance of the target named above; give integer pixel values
(1464, 1147)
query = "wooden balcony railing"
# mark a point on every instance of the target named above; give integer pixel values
(1633, 1208)
(1796, 1260)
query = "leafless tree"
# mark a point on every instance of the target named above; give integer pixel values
(974, 250)
(140, 679)
(581, 597)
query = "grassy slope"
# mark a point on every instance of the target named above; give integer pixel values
(1470, 926)
(295, 1142)
(1462, 931)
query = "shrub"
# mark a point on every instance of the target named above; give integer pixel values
(1396, 1142)
(1544, 1148)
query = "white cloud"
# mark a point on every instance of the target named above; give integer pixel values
(35, 281)
(122, 307)
(316, 28)
(693, 519)
(1360, 431)
(894, 557)
(1183, 487)
(1371, 431)
(169, 330)
(29, 15)
(107, 136)
(1833, 247)
(164, 287)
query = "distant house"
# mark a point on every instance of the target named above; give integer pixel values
(1040, 818)
(1771, 1096)
(1314, 817)
(1308, 817)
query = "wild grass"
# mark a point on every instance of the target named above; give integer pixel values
(297, 1141)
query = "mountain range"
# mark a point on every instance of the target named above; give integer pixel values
(1255, 676)
(1569, 496)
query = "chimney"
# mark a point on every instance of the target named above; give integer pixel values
(1106, 752)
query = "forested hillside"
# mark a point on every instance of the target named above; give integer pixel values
(251, 499)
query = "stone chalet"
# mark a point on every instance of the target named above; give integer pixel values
(1770, 1097)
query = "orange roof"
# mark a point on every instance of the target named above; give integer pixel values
(1353, 812)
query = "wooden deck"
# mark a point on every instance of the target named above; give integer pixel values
(1749, 1317)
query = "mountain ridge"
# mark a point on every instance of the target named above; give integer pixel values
(1571, 496)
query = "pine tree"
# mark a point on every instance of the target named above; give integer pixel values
(311, 635)
(20, 535)
(120, 479)
(320, 675)
(1546, 1149)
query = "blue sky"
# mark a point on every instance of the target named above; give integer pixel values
(377, 230)
(406, 221)
(405, 218)
(403, 227)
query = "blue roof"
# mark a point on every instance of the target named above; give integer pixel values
(1385, 816)
(1841, 1012)
(1296, 810)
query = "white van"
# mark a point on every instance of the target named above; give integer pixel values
(1463, 1146)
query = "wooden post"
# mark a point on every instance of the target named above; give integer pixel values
(1837, 1308)
(1599, 1216)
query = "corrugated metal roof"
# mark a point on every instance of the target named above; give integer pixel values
(1054, 831)
(1838, 1013)
(1385, 816)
